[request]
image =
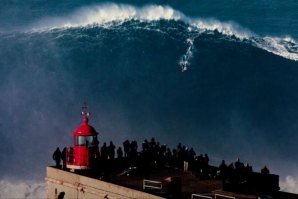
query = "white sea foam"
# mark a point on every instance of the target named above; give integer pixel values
(285, 47)
(22, 189)
(184, 60)
(289, 184)
(226, 28)
(107, 15)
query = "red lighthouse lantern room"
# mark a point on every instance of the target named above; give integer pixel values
(83, 155)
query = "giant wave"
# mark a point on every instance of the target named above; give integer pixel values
(113, 15)
(120, 59)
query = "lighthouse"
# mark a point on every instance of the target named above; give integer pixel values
(84, 153)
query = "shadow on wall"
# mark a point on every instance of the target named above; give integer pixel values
(61, 195)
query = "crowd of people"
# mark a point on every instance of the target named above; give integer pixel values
(155, 155)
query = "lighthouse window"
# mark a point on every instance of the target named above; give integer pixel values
(85, 140)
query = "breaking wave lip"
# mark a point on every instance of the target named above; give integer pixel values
(111, 14)
(108, 14)
(284, 47)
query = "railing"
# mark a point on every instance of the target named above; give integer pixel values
(69, 155)
(150, 184)
(211, 196)
(224, 196)
(201, 196)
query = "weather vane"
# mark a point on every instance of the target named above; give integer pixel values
(85, 111)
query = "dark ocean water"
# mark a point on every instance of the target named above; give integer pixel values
(217, 76)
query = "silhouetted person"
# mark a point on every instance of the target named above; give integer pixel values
(265, 170)
(57, 156)
(168, 156)
(231, 167)
(126, 146)
(96, 142)
(248, 168)
(104, 152)
(206, 159)
(223, 169)
(179, 154)
(145, 145)
(205, 164)
(64, 158)
(111, 150)
(238, 165)
(152, 143)
(119, 153)
(191, 155)
(133, 149)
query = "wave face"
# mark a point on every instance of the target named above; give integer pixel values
(109, 15)
(147, 72)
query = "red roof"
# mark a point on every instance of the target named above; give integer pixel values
(85, 129)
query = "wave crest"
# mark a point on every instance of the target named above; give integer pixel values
(284, 47)
(108, 15)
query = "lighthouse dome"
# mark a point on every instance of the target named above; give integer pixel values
(85, 129)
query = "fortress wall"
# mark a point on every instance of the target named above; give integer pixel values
(80, 187)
